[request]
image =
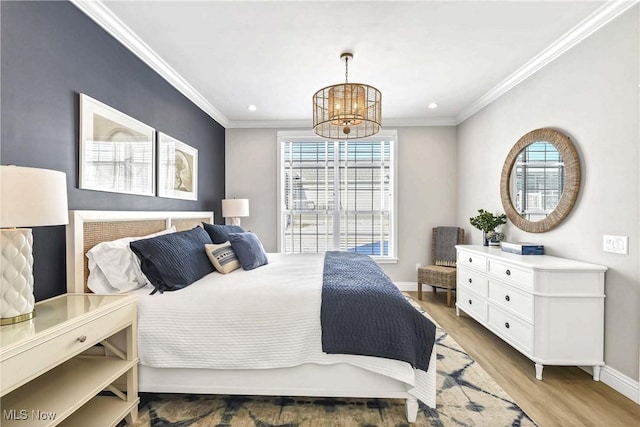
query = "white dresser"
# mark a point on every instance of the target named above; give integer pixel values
(550, 309)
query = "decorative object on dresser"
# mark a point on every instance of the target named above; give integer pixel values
(347, 110)
(45, 379)
(522, 248)
(235, 209)
(494, 238)
(117, 152)
(177, 169)
(541, 155)
(442, 271)
(550, 309)
(28, 197)
(488, 222)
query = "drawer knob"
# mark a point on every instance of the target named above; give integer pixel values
(470, 302)
(470, 259)
(470, 281)
(507, 297)
(82, 338)
(508, 272)
(506, 325)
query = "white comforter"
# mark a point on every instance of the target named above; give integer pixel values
(264, 318)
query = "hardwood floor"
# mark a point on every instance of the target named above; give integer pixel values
(567, 396)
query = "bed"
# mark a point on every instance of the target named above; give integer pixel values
(281, 374)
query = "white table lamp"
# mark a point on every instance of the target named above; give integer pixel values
(235, 209)
(29, 197)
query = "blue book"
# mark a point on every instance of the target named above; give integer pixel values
(523, 248)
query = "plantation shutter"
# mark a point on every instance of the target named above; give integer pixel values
(337, 195)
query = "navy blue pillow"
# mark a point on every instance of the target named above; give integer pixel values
(174, 261)
(220, 233)
(248, 249)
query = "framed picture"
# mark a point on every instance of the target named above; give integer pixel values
(117, 152)
(177, 169)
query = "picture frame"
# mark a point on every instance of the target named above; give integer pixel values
(177, 169)
(117, 152)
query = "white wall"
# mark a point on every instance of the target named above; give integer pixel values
(590, 93)
(251, 162)
(426, 187)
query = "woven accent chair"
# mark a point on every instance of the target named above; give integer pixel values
(439, 276)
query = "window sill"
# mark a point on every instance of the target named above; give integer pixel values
(385, 260)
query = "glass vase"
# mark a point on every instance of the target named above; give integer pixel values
(485, 239)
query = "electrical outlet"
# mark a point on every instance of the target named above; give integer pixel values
(418, 266)
(615, 244)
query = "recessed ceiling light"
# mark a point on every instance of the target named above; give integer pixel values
(252, 107)
(433, 105)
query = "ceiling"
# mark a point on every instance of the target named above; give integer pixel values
(226, 55)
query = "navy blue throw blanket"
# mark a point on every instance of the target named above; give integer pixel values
(364, 313)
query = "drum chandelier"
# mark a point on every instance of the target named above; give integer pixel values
(347, 110)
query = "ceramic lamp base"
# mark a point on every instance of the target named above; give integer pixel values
(16, 286)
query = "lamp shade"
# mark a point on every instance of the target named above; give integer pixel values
(32, 197)
(235, 208)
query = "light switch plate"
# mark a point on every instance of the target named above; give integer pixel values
(615, 244)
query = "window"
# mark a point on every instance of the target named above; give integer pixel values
(337, 195)
(539, 174)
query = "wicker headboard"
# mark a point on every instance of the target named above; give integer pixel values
(88, 228)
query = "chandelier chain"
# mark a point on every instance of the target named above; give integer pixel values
(346, 69)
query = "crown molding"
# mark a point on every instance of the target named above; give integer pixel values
(592, 23)
(308, 124)
(422, 121)
(269, 124)
(103, 16)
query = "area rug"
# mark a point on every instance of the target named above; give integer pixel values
(467, 396)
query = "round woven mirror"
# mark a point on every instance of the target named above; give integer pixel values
(540, 180)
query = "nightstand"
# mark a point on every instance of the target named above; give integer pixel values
(61, 367)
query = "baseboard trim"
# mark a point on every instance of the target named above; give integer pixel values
(411, 286)
(621, 383)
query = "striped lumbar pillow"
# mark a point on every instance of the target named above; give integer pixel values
(222, 257)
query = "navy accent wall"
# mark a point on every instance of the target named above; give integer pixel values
(50, 53)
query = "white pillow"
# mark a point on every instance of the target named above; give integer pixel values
(97, 281)
(114, 268)
(222, 257)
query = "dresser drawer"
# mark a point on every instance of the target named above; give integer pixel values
(472, 260)
(512, 299)
(473, 280)
(511, 274)
(472, 304)
(25, 365)
(516, 331)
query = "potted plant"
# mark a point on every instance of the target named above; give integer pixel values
(493, 238)
(487, 222)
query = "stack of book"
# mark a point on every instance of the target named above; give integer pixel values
(523, 248)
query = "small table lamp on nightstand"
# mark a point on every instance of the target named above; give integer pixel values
(29, 197)
(234, 209)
